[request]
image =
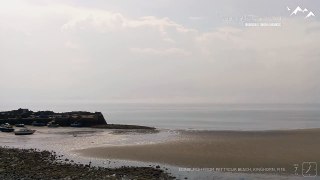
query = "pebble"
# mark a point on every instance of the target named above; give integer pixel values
(45, 165)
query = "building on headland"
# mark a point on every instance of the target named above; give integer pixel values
(25, 116)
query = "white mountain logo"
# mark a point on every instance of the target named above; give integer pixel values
(310, 14)
(300, 10)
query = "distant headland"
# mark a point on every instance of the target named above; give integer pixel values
(73, 118)
(28, 117)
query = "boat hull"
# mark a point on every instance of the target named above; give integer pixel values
(7, 129)
(25, 133)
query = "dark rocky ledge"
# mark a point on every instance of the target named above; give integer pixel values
(122, 126)
(28, 117)
(29, 164)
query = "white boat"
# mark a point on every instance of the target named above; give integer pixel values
(6, 128)
(24, 131)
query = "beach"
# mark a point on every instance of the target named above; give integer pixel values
(192, 154)
(276, 152)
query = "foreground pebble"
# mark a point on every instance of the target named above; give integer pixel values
(35, 164)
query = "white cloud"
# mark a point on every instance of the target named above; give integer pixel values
(104, 21)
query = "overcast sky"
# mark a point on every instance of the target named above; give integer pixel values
(159, 51)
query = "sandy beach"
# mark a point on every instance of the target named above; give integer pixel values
(224, 149)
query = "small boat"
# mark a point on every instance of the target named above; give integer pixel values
(76, 124)
(24, 131)
(19, 125)
(6, 125)
(6, 128)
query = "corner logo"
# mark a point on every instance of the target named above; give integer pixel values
(309, 169)
(304, 11)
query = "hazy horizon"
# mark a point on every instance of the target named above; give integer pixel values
(158, 52)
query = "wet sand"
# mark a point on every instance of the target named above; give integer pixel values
(223, 149)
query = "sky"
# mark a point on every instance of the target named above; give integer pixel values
(160, 51)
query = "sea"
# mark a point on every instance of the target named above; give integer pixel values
(243, 117)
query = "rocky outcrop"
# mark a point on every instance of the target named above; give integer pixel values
(25, 116)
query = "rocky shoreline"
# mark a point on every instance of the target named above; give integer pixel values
(35, 164)
(122, 126)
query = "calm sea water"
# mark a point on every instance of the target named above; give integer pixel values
(201, 116)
